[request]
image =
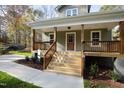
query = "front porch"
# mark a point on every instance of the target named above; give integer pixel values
(81, 41)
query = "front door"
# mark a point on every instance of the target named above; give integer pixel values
(70, 41)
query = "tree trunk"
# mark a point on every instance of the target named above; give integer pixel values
(25, 40)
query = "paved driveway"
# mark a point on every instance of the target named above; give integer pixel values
(10, 58)
(40, 78)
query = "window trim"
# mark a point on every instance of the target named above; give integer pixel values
(91, 35)
(72, 11)
(51, 34)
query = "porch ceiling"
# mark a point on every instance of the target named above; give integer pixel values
(76, 21)
(108, 26)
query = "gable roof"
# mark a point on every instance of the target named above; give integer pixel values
(59, 7)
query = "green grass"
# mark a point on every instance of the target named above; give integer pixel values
(7, 81)
(87, 84)
(21, 53)
(1, 49)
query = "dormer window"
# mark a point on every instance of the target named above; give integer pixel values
(72, 12)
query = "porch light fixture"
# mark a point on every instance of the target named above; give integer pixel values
(69, 27)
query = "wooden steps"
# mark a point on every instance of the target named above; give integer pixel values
(66, 63)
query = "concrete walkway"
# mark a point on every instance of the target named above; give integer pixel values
(37, 77)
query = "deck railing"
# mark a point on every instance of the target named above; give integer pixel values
(49, 54)
(42, 45)
(101, 46)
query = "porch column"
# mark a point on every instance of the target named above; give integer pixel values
(32, 39)
(82, 33)
(55, 36)
(55, 33)
(82, 52)
(122, 36)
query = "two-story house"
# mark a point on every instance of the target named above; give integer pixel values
(74, 35)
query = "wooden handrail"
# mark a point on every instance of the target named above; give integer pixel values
(102, 41)
(104, 46)
(49, 54)
(50, 48)
(43, 42)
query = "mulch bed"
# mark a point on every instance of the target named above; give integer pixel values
(30, 63)
(103, 77)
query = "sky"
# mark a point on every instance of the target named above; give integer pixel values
(95, 8)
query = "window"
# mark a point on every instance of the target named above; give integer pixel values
(51, 38)
(68, 12)
(72, 12)
(95, 36)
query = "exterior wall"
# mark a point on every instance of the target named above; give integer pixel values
(105, 34)
(82, 9)
(61, 40)
(61, 37)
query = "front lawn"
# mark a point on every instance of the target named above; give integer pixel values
(20, 53)
(7, 81)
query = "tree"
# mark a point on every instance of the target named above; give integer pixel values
(111, 8)
(48, 11)
(104, 8)
(12, 14)
(16, 17)
(29, 16)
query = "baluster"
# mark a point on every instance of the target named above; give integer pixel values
(108, 45)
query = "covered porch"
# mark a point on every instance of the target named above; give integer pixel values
(82, 41)
(82, 25)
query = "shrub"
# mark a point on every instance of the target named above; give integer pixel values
(114, 76)
(93, 70)
(27, 58)
(3, 51)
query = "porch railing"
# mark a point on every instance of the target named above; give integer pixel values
(49, 54)
(42, 45)
(103, 46)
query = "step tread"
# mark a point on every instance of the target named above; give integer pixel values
(66, 73)
(66, 68)
(65, 65)
(68, 63)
